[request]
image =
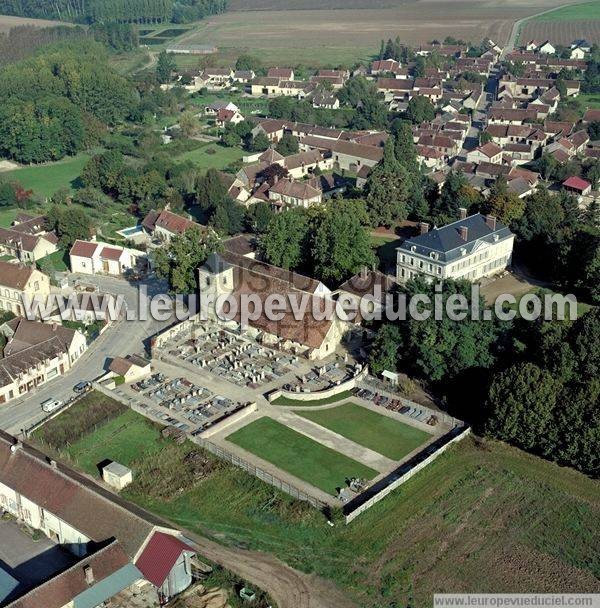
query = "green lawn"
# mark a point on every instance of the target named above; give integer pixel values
(46, 179)
(8, 215)
(299, 455)
(586, 11)
(379, 433)
(326, 401)
(482, 517)
(57, 261)
(385, 249)
(123, 439)
(589, 101)
(212, 156)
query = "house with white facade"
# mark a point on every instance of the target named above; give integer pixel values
(96, 257)
(471, 248)
(18, 281)
(115, 547)
(36, 353)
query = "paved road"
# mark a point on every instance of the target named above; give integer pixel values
(121, 338)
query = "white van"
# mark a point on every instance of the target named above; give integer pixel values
(51, 404)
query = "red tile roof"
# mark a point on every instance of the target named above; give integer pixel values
(159, 557)
(111, 253)
(83, 249)
(576, 183)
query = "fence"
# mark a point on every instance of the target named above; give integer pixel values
(284, 486)
(382, 488)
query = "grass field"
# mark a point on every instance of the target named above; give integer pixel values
(379, 433)
(123, 439)
(333, 32)
(325, 401)
(484, 517)
(47, 179)
(589, 101)
(299, 455)
(576, 12)
(7, 216)
(218, 159)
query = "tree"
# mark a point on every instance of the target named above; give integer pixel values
(456, 193)
(259, 216)
(230, 137)
(594, 130)
(387, 189)
(288, 145)
(165, 67)
(91, 197)
(385, 349)
(8, 197)
(260, 143)
(521, 405)
(210, 190)
(227, 217)
(179, 261)
(420, 109)
(285, 242)
(189, 124)
(248, 63)
(103, 171)
(70, 224)
(505, 205)
(341, 242)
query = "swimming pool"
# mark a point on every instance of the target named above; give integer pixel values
(130, 231)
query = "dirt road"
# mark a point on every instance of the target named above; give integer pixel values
(287, 586)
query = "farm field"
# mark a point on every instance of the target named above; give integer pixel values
(329, 35)
(561, 32)
(564, 25)
(299, 455)
(377, 432)
(8, 22)
(48, 178)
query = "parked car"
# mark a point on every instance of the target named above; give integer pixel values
(51, 404)
(82, 387)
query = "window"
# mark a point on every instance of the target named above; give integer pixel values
(36, 285)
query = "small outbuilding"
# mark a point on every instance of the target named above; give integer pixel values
(117, 476)
(131, 368)
(577, 185)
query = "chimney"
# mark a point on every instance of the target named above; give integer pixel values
(16, 446)
(52, 463)
(463, 213)
(490, 220)
(464, 233)
(88, 572)
(423, 228)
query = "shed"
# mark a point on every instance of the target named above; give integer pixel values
(577, 185)
(117, 475)
(390, 376)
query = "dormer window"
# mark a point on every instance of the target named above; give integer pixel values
(463, 251)
(413, 248)
(433, 255)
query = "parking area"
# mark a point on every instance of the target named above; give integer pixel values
(180, 402)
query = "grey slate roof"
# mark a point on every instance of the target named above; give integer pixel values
(447, 242)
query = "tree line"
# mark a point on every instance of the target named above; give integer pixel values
(58, 103)
(125, 11)
(533, 384)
